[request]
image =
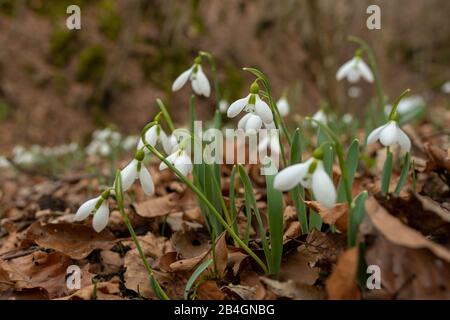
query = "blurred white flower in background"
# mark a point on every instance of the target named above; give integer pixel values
(354, 92)
(407, 105)
(223, 106)
(321, 117)
(355, 69)
(446, 87)
(347, 118)
(4, 163)
(283, 106)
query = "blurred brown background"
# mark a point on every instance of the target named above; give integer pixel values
(58, 85)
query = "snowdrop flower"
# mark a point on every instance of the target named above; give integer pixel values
(135, 169)
(180, 160)
(446, 87)
(4, 163)
(223, 106)
(195, 74)
(154, 135)
(258, 110)
(354, 69)
(97, 206)
(407, 105)
(271, 140)
(390, 134)
(347, 118)
(283, 106)
(311, 175)
(354, 92)
(320, 116)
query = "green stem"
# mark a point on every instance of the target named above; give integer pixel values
(396, 103)
(166, 114)
(373, 63)
(217, 215)
(212, 63)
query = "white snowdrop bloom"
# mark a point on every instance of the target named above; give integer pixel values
(270, 141)
(283, 106)
(311, 175)
(154, 135)
(251, 122)
(223, 106)
(97, 206)
(390, 134)
(195, 74)
(354, 69)
(407, 105)
(4, 163)
(321, 117)
(23, 156)
(446, 87)
(180, 160)
(254, 105)
(354, 92)
(129, 142)
(134, 170)
(347, 118)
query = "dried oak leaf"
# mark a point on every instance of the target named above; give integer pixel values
(160, 206)
(242, 292)
(341, 285)
(412, 266)
(333, 216)
(43, 270)
(440, 159)
(75, 240)
(189, 243)
(209, 290)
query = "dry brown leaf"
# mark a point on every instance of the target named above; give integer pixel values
(43, 270)
(412, 267)
(297, 267)
(160, 206)
(189, 243)
(341, 285)
(439, 157)
(152, 245)
(209, 290)
(243, 292)
(333, 216)
(75, 240)
(290, 289)
(104, 291)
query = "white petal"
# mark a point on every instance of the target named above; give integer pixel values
(167, 145)
(263, 110)
(388, 136)
(263, 144)
(223, 106)
(100, 220)
(171, 158)
(344, 69)
(129, 174)
(365, 71)
(323, 187)
(146, 181)
(275, 145)
(291, 176)
(403, 140)
(253, 123)
(237, 106)
(353, 75)
(181, 80)
(243, 121)
(375, 134)
(196, 86)
(283, 107)
(203, 82)
(85, 209)
(183, 164)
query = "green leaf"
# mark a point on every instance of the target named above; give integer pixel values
(403, 174)
(202, 267)
(275, 212)
(357, 212)
(351, 161)
(298, 193)
(387, 171)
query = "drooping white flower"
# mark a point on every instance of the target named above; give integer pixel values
(271, 140)
(354, 69)
(97, 206)
(347, 118)
(390, 134)
(407, 105)
(134, 170)
(258, 111)
(320, 116)
(195, 74)
(311, 175)
(154, 135)
(283, 106)
(180, 160)
(446, 87)
(223, 106)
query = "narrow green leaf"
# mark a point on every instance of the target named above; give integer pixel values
(387, 171)
(233, 210)
(403, 174)
(275, 213)
(357, 212)
(351, 162)
(202, 267)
